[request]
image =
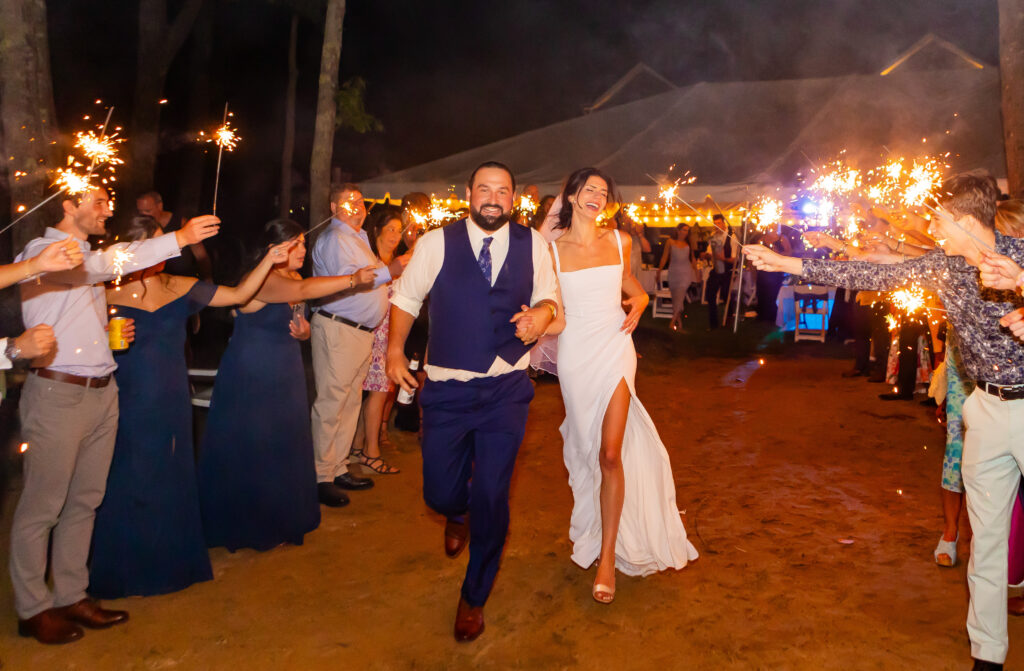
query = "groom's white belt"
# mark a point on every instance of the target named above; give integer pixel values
(347, 322)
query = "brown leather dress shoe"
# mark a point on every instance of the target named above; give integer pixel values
(469, 622)
(455, 536)
(88, 612)
(50, 627)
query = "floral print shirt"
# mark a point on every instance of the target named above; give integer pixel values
(990, 353)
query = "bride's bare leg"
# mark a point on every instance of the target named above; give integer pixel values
(613, 482)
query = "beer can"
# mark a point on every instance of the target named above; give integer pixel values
(115, 331)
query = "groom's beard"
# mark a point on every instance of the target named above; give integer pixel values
(492, 222)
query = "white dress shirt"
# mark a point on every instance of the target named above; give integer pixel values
(428, 257)
(74, 304)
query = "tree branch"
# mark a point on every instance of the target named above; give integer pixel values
(178, 32)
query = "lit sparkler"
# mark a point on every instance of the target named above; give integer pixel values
(527, 205)
(766, 212)
(224, 137)
(121, 257)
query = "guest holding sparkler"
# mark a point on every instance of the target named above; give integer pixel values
(682, 271)
(722, 254)
(993, 413)
(342, 340)
(257, 483)
(69, 413)
(148, 537)
(385, 236)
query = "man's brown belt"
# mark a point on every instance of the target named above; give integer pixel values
(88, 382)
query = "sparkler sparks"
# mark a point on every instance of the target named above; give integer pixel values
(71, 182)
(527, 205)
(766, 212)
(909, 300)
(121, 257)
(99, 149)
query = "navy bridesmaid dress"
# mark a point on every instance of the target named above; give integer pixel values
(148, 537)
(257, 480)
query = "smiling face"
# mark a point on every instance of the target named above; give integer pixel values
(89, 216)
(389, 236)
(490, 198)
(591, 199)
(953, 235)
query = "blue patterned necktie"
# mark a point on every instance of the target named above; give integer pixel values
(484, 260)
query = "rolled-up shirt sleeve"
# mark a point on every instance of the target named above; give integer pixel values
(104, 265)
(418, 277)
(5, 363)
(381, 276)
(545, 282)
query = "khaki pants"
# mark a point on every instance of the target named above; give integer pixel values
(341, 359)
(992, 463)
(70, 431)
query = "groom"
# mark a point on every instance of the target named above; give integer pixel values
(481, 274)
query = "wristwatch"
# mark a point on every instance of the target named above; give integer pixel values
(12, 351)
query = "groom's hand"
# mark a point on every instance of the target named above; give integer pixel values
(398, 370)
(531, 322)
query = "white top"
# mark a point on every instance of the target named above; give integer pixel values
(5, 363)
(428, 257)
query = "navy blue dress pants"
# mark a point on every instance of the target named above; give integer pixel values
(471, 435)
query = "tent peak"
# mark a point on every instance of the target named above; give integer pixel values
(933, 40)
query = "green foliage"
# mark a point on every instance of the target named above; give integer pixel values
(352, 114)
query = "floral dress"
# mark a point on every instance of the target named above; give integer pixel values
(377, 377)
(958, 388)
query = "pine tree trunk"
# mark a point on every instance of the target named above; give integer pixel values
(159, 43)
(1011, 70)
(27, 113)
(326, 108)
(190, 189)
(288, 150)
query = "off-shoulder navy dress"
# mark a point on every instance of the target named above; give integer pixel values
(148, 537)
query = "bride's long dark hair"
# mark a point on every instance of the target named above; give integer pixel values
(573, 184)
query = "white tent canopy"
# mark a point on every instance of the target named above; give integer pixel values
(743, 138)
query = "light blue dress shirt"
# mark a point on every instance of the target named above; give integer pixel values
(341, 250)
(74, 303)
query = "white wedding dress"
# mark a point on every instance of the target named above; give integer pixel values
(594, 355)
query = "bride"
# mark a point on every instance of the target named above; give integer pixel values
(619, 471)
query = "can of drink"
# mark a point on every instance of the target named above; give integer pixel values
(115, 330)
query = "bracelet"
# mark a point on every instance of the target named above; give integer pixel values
(899, 244)
(351, 281)
(554, 310)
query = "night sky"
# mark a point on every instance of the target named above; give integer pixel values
(447, 76)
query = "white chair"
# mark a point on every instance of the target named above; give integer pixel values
(201, 382)
(810, 300)
(661, 306)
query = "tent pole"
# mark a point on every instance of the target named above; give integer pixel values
(739, 287)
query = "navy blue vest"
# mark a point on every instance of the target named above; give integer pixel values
(462, 334)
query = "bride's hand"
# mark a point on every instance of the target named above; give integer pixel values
(636, 306)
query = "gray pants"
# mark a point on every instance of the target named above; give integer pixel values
(70, 431)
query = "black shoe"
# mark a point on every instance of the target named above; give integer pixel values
(982, 665)
(856, 372)
(349, 481)
(896, 397)
(330, 495)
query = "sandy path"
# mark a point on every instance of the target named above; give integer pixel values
(771, 474)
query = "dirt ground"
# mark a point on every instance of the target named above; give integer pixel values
(774, 465)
